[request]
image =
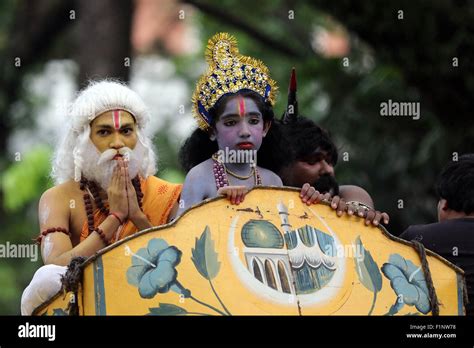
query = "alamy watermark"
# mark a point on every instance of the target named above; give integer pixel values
(237, 156)
(20, 251)
(37, 331)
(345, 251)
(395, 108)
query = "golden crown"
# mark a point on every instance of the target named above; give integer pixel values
(229, 72)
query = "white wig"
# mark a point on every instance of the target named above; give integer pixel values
(94, 100)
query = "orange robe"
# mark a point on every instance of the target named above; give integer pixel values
(159, 198)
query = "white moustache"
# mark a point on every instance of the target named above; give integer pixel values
(108, 155)
(99, 167)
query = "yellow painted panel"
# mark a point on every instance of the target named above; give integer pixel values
(58, 305)
(270, 255)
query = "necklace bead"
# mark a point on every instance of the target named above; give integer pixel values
(220, 173)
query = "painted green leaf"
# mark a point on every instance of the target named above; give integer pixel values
(167, 309)
(367, 269)
(204, 256)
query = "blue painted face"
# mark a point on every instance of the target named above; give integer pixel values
(241, 125)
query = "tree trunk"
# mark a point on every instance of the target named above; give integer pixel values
(103, 39)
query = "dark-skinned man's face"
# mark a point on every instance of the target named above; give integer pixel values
(316, 169)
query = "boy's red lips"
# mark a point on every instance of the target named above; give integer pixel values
(245, 145)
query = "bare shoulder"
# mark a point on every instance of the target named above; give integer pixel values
(353, 189)
(60, 193)
(269, 178)
(203, 169)
(197, 185)
(200, 179)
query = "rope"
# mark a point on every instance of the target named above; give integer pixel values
(70, 282)
(429, 281)
(464, 292)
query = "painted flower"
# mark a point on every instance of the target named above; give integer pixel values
(153, 269)
(408, 282)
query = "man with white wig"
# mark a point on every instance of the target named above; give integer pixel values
(104, 185)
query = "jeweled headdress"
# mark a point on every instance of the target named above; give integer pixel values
(228, 72)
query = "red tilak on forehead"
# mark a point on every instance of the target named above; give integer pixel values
(241, 107)
(116, 118)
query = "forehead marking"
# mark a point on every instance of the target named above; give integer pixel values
(116, 119)
(241, 106)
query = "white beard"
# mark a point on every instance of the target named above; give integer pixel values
(99, 167)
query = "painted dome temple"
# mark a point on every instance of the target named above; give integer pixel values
(305, 265)
(261, 234)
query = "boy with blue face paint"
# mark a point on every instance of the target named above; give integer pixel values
(233, 106)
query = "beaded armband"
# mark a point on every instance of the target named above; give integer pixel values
(52, 230)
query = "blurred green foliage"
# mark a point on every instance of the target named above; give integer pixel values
(26, 179)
